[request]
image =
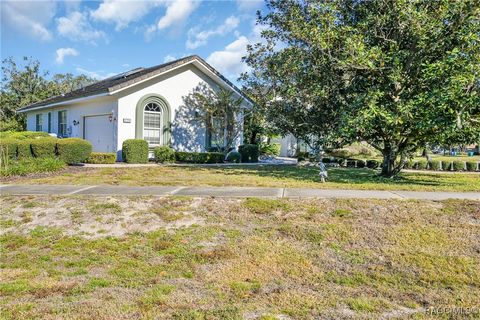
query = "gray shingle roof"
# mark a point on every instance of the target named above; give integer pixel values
(123, 80)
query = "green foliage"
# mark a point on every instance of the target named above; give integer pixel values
(22, 135)
(73, 150)
(422, 164)
(32, 165)
(43, 147)
(164, 154)
(373, 164)
(326, 160)
(24, 150)
(303, 155)
(249, 152)
(435, 165)
(199, 157)
(411, 164)
(458, 165)
(8, 148)
(233, 156)
(394, 74)
(351, 163)
(471, 165)
(447, 166)
(355, 150)
(272, 149)
(135, 151)
(102, 158)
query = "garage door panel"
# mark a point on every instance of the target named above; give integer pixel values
(99, 131)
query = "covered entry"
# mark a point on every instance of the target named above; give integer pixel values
(98, 129)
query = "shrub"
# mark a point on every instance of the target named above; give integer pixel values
(8, 148)
(410, 164)
(249, 152)
(272, 149)
(24, 149)
(26, 166)
(448, 166)
(326, 160)
(458, 165)
(164, 154)
(341, 161)
(73, 150)
(102, 158)
(351, 163)
(233, 156)
(422, 164)
(199, 157)
(471, 166)
(435, 165)
(355, 150)
(22, 135)
(302, 155)
(135, 151)
(361, 163)
(373, 164)
(43, 147)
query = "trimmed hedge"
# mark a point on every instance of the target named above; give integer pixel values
(249, 152)
(22, 135)
(447, 166)
(24, 149)
(435, 165)
(102, 158)
(458, 165)
(8, 148)
(373, 164)
(73, 150)
(199, 157)
(233, 156)
(43, 147)
(422, 164)
(471, 166)
(164, 154)
(351, 163)
(135, 151)
(326, 160)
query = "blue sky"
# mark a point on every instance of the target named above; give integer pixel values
(102, 38)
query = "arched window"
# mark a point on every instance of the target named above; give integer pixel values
(153, 120)
(152, 124)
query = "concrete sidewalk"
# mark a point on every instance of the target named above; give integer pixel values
(238, 192)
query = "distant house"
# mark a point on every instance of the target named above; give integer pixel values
(144, 103)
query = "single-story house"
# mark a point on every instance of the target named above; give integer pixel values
(144, 103)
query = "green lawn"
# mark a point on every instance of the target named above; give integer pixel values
(261, 175)
(78, 257)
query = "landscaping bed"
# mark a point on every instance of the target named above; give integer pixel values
(191, 258)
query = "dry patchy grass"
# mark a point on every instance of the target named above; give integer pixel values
(198, 258)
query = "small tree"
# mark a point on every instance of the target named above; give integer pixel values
(220, 111)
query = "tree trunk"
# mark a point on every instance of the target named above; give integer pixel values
(390, 166)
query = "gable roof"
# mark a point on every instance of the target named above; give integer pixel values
(124, 80)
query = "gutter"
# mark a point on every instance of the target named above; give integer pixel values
(64, 102)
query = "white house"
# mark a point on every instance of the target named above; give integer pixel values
(144, 103)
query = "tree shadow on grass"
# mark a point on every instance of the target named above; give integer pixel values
(352, 176)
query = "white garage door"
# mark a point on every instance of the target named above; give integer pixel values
(99, 131)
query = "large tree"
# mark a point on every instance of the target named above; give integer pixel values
(26, 83)
(395, 73)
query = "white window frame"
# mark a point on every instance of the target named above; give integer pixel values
(159, 129)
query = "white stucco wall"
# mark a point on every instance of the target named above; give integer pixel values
(188, 134)
(76, 112)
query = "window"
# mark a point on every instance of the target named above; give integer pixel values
(62, 123)
(152, 124)
(39, 122)
(217, 132)
(49, 122)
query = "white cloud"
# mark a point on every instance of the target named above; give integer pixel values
(76, 27)
(229, 61)
(249, 5)
(168, 58)
(198, 38)
(122, 12)
(177, 12)
(65, 52)
(29, 17)
(95, 74)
